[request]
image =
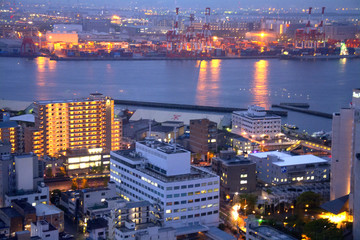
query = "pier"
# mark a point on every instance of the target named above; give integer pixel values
(306, 111)
(189, 107)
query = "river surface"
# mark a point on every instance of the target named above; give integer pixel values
(325, 85)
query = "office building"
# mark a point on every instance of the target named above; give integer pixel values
(345, 151)
(22, 177)
(161, 174)
(97, 228)
(18, 216)
(7, 176)
(51, 214)
(44, 230)
(282, 168)
(340, 31)
(86, 123)
(90, 197)
(78, 161)
(203, 134)
(256, 123)
(237, 174)
(134, 220)
(244, 146)
(70, 201)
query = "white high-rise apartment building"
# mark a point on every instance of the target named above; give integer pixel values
(345, 166)
(182, 195)
(255, 123)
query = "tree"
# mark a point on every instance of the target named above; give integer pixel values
(74, 184)
(322, 229)
(245, 199)
(84, 183)
(308, 198)
(55, 196)
(48, 172)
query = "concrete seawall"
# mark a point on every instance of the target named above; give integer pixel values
(189, 107)
(306, 111)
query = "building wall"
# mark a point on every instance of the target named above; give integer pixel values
(53, 37)
(340, 32)
(5, 170)
(74, 124)
(34, 197)
(269, 172)
(24, 167)
(182, 202)
(57, 220)
(240, 178)
(341, 152)
(203, 134)
(355, 179)
(10, 134)
(255, 127)
(89, 198)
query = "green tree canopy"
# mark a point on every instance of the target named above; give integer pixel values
(308, 198)
(321, 229)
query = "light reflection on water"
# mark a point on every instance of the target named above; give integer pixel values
(208, 82)
(44, 67)
(260, 84)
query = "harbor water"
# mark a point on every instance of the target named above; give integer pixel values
(325, 85)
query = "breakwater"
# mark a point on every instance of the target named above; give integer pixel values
(306, 111)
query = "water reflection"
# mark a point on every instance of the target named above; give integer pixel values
(207, 91)
(343, 64)
(44, 66)
(260, 84)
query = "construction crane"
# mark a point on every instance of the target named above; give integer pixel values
(311, 37)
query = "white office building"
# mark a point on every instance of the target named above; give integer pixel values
(282, 168)
(44, 230)
(256, 123)
(345, 151)
(182, 195)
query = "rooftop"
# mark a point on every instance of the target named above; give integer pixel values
(195, 172)
(272, 233)
(8, 124)
(93, 97)
(336, 206)
(299, 160)
(219, 234)
(162, 147)
(10, 212)
(160, 128)
(137, 204)
(24, 118)
(97, 223)
(14, 105)
(238, 160)
(25, 206)
(256, 112)
(265, 154)
(46, 209)
(140, 226)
